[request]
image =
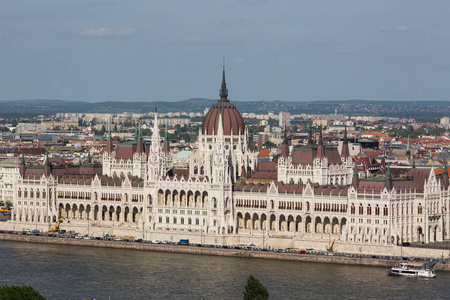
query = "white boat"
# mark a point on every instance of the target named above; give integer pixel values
(412, 269)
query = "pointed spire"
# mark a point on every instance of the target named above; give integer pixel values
(48, 166)
(166, 145)
(136, 137)
(285, 146)
(155, 134)
(223, 89)
(430, 161)
(445, 175)
(388, 171)
(139, 136)
(22, 166)
(355, 179)
(345, 135)
(320, 148)
(345, 150)
(408, 149)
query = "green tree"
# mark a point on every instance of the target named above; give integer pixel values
(8, 204)
(2, 203)
(269, 145)
(254, 290)
(19, 293)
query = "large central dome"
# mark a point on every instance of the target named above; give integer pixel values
(232, 121)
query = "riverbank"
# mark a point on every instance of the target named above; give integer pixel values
(333, 259)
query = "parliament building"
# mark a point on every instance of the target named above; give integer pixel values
(311, 195)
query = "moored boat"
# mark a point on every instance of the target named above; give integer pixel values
(412, 269)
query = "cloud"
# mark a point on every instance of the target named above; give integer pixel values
(107, 31)
(396, 28)
(239, 60)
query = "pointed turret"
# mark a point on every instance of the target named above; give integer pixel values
(136, 136)
(223, 89)
(285, 146)
(48, 166)
(388, 181)
(345, 150)
(155, 134)
(355, 179)
(445, 178)
(166, 145)
(320, 148)
(408, 149)
(139, 144)
(22, 168)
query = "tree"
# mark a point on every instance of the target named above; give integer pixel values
(269, 145)
(19, 293)
(8, 204)
(254, 290)
(2, 203)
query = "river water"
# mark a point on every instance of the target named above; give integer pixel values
(74, 272)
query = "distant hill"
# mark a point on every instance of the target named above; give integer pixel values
(427, 110)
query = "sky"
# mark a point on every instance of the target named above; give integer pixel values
(171, 50)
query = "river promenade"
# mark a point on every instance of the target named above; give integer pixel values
(242, 253)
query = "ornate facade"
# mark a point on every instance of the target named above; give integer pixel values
(314, 196)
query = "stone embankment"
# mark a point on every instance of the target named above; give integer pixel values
(210, 251)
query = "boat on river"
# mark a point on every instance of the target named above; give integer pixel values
(412, 269)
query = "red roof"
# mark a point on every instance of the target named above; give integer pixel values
(264, 153)
(232, 120)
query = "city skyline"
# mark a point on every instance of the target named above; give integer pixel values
(293, 51)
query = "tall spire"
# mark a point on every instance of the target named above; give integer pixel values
(408, 149)
(139, 135)
(48, 166)
(136, 137)
(345, 150)
(22, 166)
(320, 148)
(445, 175)
(223, 89)
(355, 179)
(285, 146)
(166, 145)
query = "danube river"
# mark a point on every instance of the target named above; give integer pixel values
(74, 272)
